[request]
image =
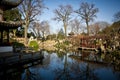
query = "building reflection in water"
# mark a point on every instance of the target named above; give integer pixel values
(15, 71)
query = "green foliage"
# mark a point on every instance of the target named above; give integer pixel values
(61, 34)
(20, 32)
(34, 45)
(17, 44)
(116, 54)
(117, 16)
(113, 32)
(60, 54)
(114, 28)
(66, 42)
(63, 45)
(113, 57)
(31, 34)
(51, 37)
(12, 15)
(116, 59)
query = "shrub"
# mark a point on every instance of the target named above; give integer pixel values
(34, 45)
(66, 42)
(17, 44)
(63, 45)
(116, 54)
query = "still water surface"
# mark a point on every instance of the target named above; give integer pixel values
(64, 67)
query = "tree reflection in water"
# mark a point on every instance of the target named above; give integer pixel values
(31, 75)
(57, 66)
(63, 73)
(75, 70)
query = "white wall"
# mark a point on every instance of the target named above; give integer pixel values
(6, 49)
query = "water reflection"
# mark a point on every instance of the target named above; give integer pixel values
(67, 67)
(74, 70)
(14, 68)
(31, 74)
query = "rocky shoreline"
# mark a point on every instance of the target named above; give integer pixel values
(48, 45)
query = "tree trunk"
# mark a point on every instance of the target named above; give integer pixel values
(1, 37)
(25, 33)
(14, 32)
(65, 28)
(88, 32)
(1, 14)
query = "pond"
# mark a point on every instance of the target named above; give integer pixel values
(67, 66)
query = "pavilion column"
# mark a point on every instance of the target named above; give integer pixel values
(1, 39)
(1, 14)
(8, 36)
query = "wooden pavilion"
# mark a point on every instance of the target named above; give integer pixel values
(4, 25)
(7, 26)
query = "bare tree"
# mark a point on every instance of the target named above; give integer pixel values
(117, 16)
(63, 14)
(44, 28)
(98, 26)
(29, 9)
(87, 13)
(75, 26)
(103, 24)
(40, 29)
(35, 28)
(94, 29)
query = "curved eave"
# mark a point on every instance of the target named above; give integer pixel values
(7, 4)
(9, 25)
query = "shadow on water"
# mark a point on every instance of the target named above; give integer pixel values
(14, 68)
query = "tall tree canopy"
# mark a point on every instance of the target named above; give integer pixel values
(44, 28)
(117, 16)
(29, 9)
(97, 27)
(35, 28)
(87, 12)
(75, 26)
(40, 29)
(63, 13)
(61, 34)
(12, 15)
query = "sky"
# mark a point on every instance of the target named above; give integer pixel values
(107, 8)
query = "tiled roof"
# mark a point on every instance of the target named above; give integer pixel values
(10, 25)
(8, 4)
